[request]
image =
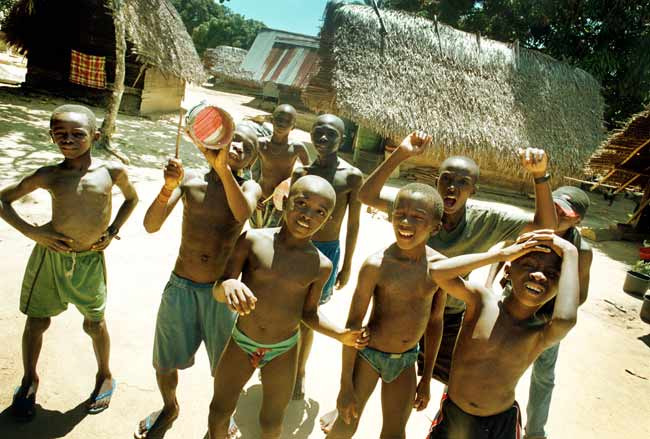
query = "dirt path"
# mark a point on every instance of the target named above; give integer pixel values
(603, 376)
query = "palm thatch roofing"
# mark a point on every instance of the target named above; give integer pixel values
(623, 160)
(225, 62)
(477, 97)
(154, 28)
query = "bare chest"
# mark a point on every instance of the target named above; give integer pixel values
(90, 189)
(207, 204)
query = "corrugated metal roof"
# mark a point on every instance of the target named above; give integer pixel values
(282, 57)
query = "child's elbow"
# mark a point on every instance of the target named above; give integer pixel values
(150, 226)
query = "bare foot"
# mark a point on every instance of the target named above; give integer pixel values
(299, 389)
(233, 431)
(102, 394)
(327, 421)
(156, 423)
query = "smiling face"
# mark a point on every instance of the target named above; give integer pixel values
(73, 133)
(242, 148)
(416, 216)
(535, 277)
(311, 201)
(327, 134)
(284, 119)
(457, 182)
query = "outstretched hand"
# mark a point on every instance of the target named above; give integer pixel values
(534, 160)
(415, 143)
(356, 338)
(239, 297)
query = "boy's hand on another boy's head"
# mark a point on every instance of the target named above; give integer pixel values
(415, 143)
(50, 239)
(561, 246)
(422, 394)
(239, 297)
(537, 241)
(174, 174)
(534, 160)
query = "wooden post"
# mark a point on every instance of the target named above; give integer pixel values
(108, 125)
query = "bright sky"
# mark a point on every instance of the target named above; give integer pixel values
(300, 16)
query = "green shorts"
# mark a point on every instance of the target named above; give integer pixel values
(189, 315)
(52, 280)
(260, 354)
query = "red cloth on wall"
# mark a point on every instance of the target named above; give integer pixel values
(87, 70)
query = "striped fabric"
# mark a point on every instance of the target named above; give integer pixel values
(87, 70)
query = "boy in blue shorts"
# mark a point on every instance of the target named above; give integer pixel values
(67, 263)
(216, 206)
(327, 134)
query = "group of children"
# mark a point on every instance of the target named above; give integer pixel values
(241, 294)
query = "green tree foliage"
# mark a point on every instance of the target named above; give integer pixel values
(608, 38)
(211, 24)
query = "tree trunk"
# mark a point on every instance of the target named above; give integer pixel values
(108, 125)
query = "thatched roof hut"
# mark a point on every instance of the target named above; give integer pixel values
(224, 62)
(478, 97)
(61, 38)
(623, 161)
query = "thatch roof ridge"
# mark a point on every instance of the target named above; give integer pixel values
(154, 27)
(477, 96)
(632, 137)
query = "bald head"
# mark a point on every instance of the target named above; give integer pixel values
(332, 120)
(91, 121)
(247, 131)
(460, 162)
(285, 108)
(315, 185)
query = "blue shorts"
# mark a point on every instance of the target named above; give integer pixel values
(189, 315)
(390, 366)
(331, 249)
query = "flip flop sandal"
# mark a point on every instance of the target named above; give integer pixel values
(103, 396)
(23, 407)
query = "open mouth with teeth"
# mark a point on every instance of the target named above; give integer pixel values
(303, 224)
(534, 288)
(449, 201)
(405, 234)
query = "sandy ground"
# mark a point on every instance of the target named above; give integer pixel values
(602, 375)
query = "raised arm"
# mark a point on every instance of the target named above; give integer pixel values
(302, 153)
(242, 202)
(432, 339)
(370, 192)
(567, 301)
(367, 281)
(355, 179)
(43, 235)
(535, 161)
(167, 198)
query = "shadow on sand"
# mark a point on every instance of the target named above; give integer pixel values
(299, 419)
(47, 424)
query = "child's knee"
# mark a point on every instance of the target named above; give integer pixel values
(271, 425)
(94, 328)
(35, 325)
(220, 410)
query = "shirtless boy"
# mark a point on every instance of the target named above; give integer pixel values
(407, 304)
(272, 298)
(327, 134)
(466, 228)
(277, 157)
(497, 341)
(216, 206)
(67, 263)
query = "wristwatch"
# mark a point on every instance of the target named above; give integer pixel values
(544, 179)
(113, 231)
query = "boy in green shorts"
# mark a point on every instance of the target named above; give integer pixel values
(216, 206)
(282, 277)
(67, 263)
